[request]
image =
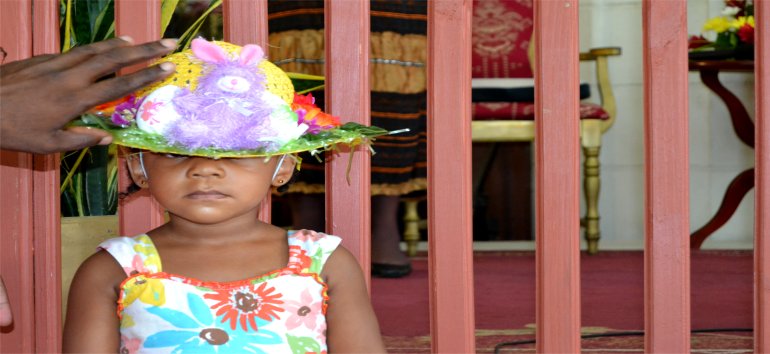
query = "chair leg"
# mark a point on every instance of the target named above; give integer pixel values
(411, 226)
(591, 183)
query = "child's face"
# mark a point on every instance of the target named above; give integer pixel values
(208, 191)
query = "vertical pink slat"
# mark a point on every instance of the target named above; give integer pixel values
(46, 212)
(16, 216)
(557, 174)
(449, 176)
(348, 209)
(667, 243)
(762, 179)
(139, 19)
(245, 22)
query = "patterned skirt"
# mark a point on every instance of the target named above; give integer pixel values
(398, 83)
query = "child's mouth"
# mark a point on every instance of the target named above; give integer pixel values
(207, 195)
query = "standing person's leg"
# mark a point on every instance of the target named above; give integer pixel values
(387, 258)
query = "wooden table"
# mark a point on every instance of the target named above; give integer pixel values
(744, 129)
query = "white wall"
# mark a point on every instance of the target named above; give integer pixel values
(716, 155)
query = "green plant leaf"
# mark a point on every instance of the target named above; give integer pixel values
(186, 38)
(95, 181)
(67, 42)
(167, 8)
(103, 23)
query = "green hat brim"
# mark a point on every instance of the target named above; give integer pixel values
(350, 134)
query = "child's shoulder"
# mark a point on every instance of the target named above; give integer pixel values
(134, 254)
(310, 237)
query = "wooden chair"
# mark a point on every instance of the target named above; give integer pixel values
(503, 92)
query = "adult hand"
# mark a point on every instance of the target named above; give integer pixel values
(40, 95)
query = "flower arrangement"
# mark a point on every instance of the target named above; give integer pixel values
(734, 28)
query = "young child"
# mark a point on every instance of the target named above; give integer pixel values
(209, 143)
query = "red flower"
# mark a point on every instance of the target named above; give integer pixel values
(697, 42)
(241, 305)
(746, 34)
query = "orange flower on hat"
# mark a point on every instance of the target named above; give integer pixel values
(310, 114)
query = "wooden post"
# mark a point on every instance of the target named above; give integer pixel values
(450, 233)
(139, 19)
(47, 210)
(348, 200)
(667, 243)
(762, 179)
(557, 144)
(16, 179)
(245, 22)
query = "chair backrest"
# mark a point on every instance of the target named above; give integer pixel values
(502, 30)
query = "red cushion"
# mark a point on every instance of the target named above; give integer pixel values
(526, 111)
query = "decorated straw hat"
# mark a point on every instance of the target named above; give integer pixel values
(224, 101)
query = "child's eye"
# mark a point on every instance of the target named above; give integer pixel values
(174, 156)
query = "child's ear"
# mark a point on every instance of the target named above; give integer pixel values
(285, 171)
(136, 170)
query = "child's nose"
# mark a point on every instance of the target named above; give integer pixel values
(205, 167)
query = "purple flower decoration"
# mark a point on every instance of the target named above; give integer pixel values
(125, 113)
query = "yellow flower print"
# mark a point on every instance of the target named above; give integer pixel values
(127, 321)
(717, 24)
(148, 291)
(145, 247)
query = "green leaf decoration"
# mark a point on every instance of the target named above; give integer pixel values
(304, 83)
(303, 345)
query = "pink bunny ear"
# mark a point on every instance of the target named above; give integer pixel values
(251, 54)
(208, 52)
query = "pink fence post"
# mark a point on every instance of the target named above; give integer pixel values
(245, 22)
(348, 200)
(762, 179)
(667, 242)
(139, 19)
(16, 179)
(46, 211)
(449, 176)
(557, 176)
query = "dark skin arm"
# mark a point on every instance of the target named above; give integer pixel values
(92, 324)
(40, 95)
(351, 324)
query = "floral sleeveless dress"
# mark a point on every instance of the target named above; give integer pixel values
(279, 312)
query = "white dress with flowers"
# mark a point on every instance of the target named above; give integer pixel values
(279, 312)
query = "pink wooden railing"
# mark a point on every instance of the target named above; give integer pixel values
(30, 224)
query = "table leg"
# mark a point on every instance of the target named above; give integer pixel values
(735, 192)
(742, 124)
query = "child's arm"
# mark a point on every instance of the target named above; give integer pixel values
(351, 324)
(92, 323)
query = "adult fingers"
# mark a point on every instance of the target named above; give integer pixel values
(6, 317)
(117, 87)
(16, 66)
(110, 61)
(75, 138)
(79, 54)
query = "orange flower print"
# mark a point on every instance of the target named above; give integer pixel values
(298, 259)
(241, 305)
